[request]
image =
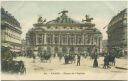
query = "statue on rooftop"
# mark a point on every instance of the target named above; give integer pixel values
(63, 17)
(40, 20)
(88, 19)
(63, 12)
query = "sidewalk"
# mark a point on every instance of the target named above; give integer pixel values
(122, 63)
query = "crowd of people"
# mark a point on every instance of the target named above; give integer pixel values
(109, 59)
(10, 65)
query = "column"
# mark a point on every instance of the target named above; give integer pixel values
(59, 37)
(82, 39)
(68, 50)
(53, 41)
(64, 40)
(68, 39)
(51, 38)
(45, 38)
(73, 39)
(42, 39)
(92, 40)
(76, 39)
(66, 43)
(36, 38)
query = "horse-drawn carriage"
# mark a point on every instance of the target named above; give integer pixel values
(12, 66)
(8, 64)
(69, 58)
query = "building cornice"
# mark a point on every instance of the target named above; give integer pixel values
(11, 26)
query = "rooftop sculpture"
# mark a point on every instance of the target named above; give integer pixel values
(88, 19)
(40, 20)
(63, 12)
(64, 21)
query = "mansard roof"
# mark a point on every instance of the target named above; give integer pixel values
(7, 17)
(117, 18)
(65, 23)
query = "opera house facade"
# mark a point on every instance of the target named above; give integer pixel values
(64, 35)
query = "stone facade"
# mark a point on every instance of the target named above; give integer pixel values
(117, 32)
(64, 35)
(10, 31)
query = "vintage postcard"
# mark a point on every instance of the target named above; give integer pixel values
(64, 40)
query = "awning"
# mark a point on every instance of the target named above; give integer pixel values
(15, 50)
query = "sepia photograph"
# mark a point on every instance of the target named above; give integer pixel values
(64, 40)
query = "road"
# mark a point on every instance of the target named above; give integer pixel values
(57, 70)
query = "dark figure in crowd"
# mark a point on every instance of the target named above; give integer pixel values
(106, 61)
(95, 63)
(72, 58)
(78, 60)
(112, 57)
(22, 67)
(34, 57)
(66, 57)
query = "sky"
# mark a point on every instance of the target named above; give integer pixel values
(27, 12)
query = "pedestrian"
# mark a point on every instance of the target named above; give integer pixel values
(66, 58)
(34, 57)
(78, 60)
(106, 61)
(95, 63)
(105, 65)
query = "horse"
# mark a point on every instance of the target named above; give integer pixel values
(22, 67)
(18, 67)
(112, 59)
(106, 62)
(45, 57)
(66, 58)
(69, 58)
(4, 65)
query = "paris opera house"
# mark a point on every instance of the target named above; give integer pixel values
(64, 35)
